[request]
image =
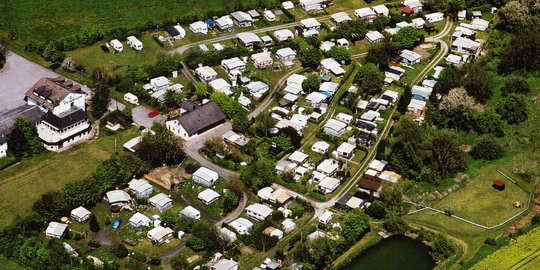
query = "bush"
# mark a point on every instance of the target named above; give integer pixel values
(137, 255)
(159, 42)
(94, 243)
(121, 251)
(196, 243)
(490, 241)
(488, 148)
(155, 259)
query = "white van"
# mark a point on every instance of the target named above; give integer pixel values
(117, 45)
(131, 98)
(134, 43)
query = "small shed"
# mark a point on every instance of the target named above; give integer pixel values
(498, 184)
(190, 213)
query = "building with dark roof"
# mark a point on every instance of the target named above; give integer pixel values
(67, 128)
(7, 119)
(56, 95)
(197, 121)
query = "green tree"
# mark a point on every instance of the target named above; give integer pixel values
(169, 218)
(487, 147)
(340, 54)
(442, 247)
(364, 70)
(372, 82)
(283, 142)
(523, 52)
(515, 85)
(312, 83)
(478, 82)
(100, 99)
(394, 224)
(94, 224)
(404, 100)
(263, 123)
(230, 202)
(292, 134)
(380, 22)
(449, 79)
(381, 53)
(489, 122)
(121, 251)
(407, 37)
(390, 194)
(235, 185)
(227, 104)
(51, 205)
(23, 141)
(161, 147)
(241, 122)
(90, 34)
(259, 174)
(354, 225)
(376, 210)
(310, 57)
(513, 109)
(446, 153)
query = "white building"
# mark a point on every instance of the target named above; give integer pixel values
(298, 157)
(242, 19)
(381, 10)
(199, 27)
(208, 196)
(328, 167)
(434, 17)
(265, 193)
(80, 214)
(233, 64)
(248, 39)
(345, 118)
(330, 65)
(283, 35)
(139, 220)
(160, 234)
(312, 5)
(140, 187)
(340, 17)
(242, 226)
(161, 202)
(190, 212)
(56, 230)
(315, 99)
(117, 197)
(328, 184)
(206, 73)
(221, 85)
(259, 211)
(365, 14)
(346, 150)
(286, 54)
(205, 176)
(175, 32)
(326, 217)
(334, 127)
(320, 147)
(134, 43)
(410, 58)
(117, 45)
(374, 37)
(310, 24)
(224, 23)
(262, 60)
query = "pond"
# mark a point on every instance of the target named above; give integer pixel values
(396, 252)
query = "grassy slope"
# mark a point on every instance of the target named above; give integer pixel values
(22, 184)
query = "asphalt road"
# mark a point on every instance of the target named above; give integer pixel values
(17, 77)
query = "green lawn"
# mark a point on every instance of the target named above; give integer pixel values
(23, 183)
(10, 265)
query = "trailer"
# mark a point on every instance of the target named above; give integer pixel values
(134, 43)
(131, 98)
(117, 45)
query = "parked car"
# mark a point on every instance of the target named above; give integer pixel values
(116, 223)
(153, 114)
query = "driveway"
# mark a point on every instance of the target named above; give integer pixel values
(17, 77)
(140, 116)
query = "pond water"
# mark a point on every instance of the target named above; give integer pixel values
(396, 252)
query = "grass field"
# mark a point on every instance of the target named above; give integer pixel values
(23, 183)
(6, 264)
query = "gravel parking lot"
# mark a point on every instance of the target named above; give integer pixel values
(140, 116)
(17, 77)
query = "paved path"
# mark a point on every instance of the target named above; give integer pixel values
(18, 75)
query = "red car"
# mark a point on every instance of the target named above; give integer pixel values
(153, 114)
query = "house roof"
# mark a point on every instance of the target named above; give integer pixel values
(328, 166)
(335, 125)
(198, 25)
(225, 264)
(160, 81)
(56, 228)
(7, 119)
(175, 30)
(410, 55)
(280, 196)
(341, 17)
(261, 57)
(139, 185)
(344, 199)
(260, 209)
(283, 34)
(219, 84)
(206, 71)
(159, 232)
(316, 97)
(298, 157)
(190, 211)
(344, 116)
(332, 65)
(138, 217)
(296, 80)
(326, 216)
(330, 87)
(287, 5)
(115, 196)
(253, 13)
(370, 115)
(380, 9)
(50, 91)
(369, 184)
(377, 165)
(241, 16)
(407, 10)
(364, 12)
(257, 86)
(232, 63)
(80, 212)
(208, 195)
(200, 118)
(160, 199)
(310, 22)
(285, 52)
(329, 183)
(224, 21)
(321, 145)
(206, 174)
(346, 147)
(248, 37)
(265, 193)
(65, 119)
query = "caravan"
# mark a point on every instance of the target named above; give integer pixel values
(131, 98)
(117, 45)
(134, 43)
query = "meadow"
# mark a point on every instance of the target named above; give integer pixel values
(23, 183)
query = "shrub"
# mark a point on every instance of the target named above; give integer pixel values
(490, 241)
(137, 255)
(121, 251)
(488, 148)
(94, 243)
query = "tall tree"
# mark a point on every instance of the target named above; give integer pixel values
(310, 57)
(259, 174)
(51, 205)
(478, 82)
(407, 37)
(516, 85)
(312, 83)
(450, 78)
(263, 123)
(523, 52)
(487, 147)
(340, 54)
(391, 195)
(241, 122)
(161, 147)
(446, 153)
(100, 99)
(513, 109)
(489, 122)
(354, 225)
(458, 106)
(23, 141)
